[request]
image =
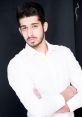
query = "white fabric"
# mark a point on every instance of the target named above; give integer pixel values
(50, 74)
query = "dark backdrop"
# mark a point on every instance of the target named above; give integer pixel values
(62, 30)
(78, 38)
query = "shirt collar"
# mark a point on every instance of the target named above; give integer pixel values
(32, 51)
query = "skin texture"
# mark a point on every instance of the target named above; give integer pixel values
(33, 32)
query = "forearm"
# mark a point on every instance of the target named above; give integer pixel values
(72, 104)
(68, 93)
(64, 109)
(75, 102)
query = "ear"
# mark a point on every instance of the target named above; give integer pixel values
(45, 26)
(20, 31)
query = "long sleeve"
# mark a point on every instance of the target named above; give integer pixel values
(75, 74)
(23, 87)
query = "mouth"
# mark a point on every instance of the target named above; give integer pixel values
(31, 39)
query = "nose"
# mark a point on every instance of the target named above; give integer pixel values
(30, 32)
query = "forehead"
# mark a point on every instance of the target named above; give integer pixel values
(29, 20)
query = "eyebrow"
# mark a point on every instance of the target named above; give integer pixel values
(22, 25)
(31, 24)
(34, 23)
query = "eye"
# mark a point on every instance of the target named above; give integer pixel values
(35, 26)
(23, 28)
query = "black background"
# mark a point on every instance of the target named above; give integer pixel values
(63, 30)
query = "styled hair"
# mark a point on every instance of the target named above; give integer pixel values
(28, 9)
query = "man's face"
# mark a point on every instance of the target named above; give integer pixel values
(32, 30)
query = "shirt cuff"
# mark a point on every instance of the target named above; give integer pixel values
(74, 104)
(60, 101)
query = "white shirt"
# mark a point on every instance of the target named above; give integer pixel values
(50, 74)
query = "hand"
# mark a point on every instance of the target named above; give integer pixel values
(69, 92)
(37, 93)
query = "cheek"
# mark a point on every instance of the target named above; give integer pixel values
(25, 35)
(38, 32)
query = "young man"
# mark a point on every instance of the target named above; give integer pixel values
(46, 78)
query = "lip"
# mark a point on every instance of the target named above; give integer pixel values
(30, 39)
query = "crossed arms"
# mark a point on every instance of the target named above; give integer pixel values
(68, 93)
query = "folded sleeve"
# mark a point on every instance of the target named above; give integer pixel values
(23, 87)
(75, 73)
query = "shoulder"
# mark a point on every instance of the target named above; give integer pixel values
(61, 49)
(65, 49)
(63, 52)
(16, 60)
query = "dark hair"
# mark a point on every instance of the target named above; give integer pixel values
(28, 9)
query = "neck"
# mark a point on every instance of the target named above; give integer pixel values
(43, 48)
